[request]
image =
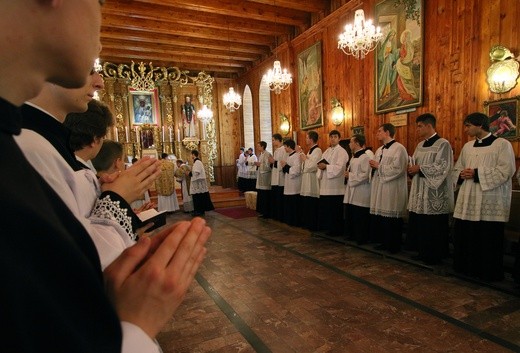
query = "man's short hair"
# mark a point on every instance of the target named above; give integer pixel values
(242, 149)
(164, 155)
(277, 137)
(478, 119)
(110, 151)
(195, 153)
(428, 119)
(88, 126)
(290, 143)
(360, 139)
(390, 128)
(313, 135)
(263, 144)
(334, 132)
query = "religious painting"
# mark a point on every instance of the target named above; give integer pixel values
(310, 87)
(503, 117)
(358, 130)
(399, 55)
(144, 107)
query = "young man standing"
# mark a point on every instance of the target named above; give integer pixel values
(484, 173)
(292, 185)
(332, 188)
(357, 192)
(263, 180)
(277, 177)
(310, 191)
(199, 186)
(431, 193)
(389, 191)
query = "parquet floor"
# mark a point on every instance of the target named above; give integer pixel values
(267, 287)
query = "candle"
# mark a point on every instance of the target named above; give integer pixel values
(170, 133)
(178, 134)
(294, 136)
(116, 136)
(136, 135)
(163, 140)
(127, 134)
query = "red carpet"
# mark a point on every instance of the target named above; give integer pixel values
(237, 212)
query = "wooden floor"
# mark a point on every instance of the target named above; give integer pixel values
(267, 287)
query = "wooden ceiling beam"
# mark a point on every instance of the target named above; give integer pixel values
(214, 55)
(195, 18)
(241, 9)
(175, 58)
(314, 6)
(193, 31)
(131, 36)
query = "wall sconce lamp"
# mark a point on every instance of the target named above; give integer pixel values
(338, 113)
(285, 126)
(503, 72)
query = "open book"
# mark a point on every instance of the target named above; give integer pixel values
(152, 216)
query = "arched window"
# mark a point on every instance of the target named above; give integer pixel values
(247, 108)
(266, 130)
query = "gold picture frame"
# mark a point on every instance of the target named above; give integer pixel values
(503, 117)
(143, 107)
(310, 87)
(399, 56)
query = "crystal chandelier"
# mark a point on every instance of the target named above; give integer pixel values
(277, 79)
(205, 114)
(360, 39)
(232, 100)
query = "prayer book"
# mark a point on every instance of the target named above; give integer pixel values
(152, 216)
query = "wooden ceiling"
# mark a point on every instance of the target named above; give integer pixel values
(225, 38)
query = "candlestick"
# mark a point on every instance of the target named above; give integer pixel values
(170, 133)
(116, 135)
(178, 134)
(136, 135)
(294, 136)
(163, 140)
(127, 134)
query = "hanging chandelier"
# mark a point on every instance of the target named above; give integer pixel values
(205, 114)
(277, 79)
(361, 38)
(232, 100)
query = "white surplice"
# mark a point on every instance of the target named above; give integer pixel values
(263, 178)
(333, 177)
(357, 191)
(389, 189)
(293, 179)
(277, 177)
(490, 198)
(310, 183)
(433, 193)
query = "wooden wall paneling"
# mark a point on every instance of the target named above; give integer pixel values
(229, 136)
(457, 38)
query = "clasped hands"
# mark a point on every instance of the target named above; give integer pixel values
(131, 183)
(149, 280)
(467, 173)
